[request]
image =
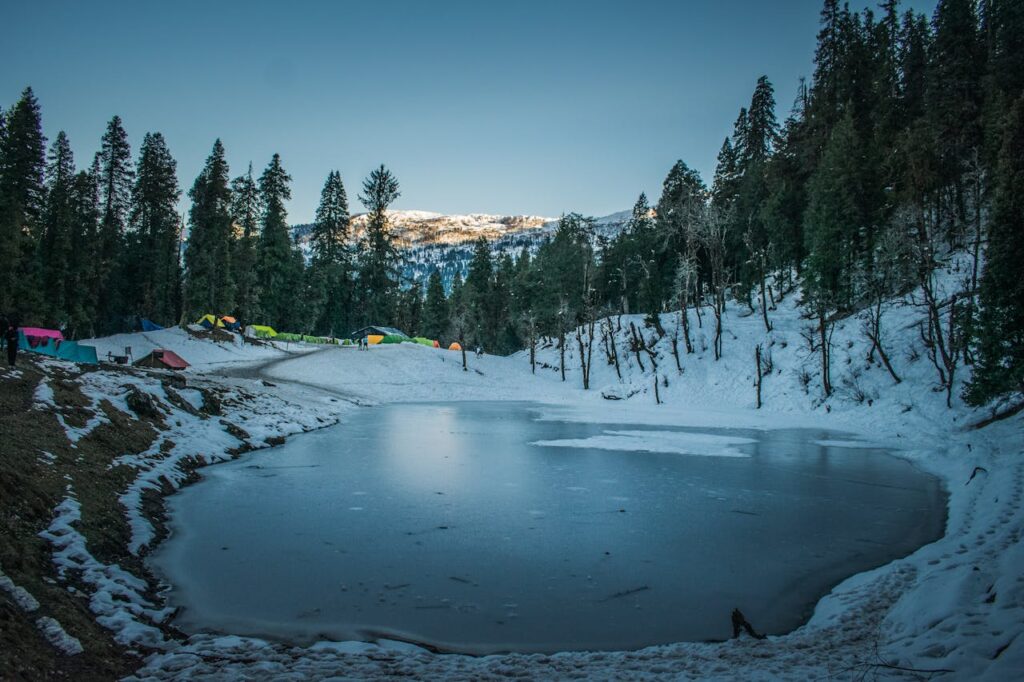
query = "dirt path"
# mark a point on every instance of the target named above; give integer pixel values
(259, 372)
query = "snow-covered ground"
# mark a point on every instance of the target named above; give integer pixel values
(955, 607)
(201, 354)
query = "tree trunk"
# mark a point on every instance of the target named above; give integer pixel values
(561, 351)
(757, 367)
(684, 321)
(826, 379)
(764, 305)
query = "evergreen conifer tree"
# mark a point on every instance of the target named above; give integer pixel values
(435, 309)
(22, 194)
(116, 178)
(378, 271)
(245, 212)
(1000, 335)
(277, 264)
(57, 225)
(331, 264)
(155, 233)
(209, 285)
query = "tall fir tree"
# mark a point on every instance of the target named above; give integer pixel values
(378, 271)
(22, 198)
(331, 268)
(955, 72)
(56, 240)
(155, 234)
(477, 296)
(245, 212)
(435, 308)
(116, 178)
(1000, 335)
(279, 278)
(209, 282)
(83, 263)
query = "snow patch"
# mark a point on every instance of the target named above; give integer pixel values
(56, 636)
(674, 442)
(25, 601)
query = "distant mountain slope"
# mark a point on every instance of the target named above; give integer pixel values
(445, 242)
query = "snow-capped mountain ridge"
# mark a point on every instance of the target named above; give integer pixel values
(445, 242)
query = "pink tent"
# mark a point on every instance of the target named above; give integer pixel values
(43, 333)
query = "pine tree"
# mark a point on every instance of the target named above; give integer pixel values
(477, 296)
(245, 212)
(279, 274)
(378, 271)
(435, 309)
(331, 264)
(155, 235)
(83, 263)
(1000, 337)
(329, 239)
(954, 92)
(1002, 29)
(209, 284)
(116, 178)
(682, 193)
(57, 224)
(22, 195)
(507, 332)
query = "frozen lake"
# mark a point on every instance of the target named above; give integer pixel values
(449, 524)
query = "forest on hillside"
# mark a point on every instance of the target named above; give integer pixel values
(904, 148)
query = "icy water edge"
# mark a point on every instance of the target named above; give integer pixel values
(477, 527)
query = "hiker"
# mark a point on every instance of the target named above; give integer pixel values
(11, 336)
(366, 343)
(479, 352)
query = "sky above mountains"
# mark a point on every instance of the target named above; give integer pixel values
(516, 108)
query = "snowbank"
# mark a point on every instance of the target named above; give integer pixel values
(955, 606)
(201, 354)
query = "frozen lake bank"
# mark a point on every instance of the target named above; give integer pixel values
(477, 527)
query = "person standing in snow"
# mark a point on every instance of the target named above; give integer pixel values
(11, 336)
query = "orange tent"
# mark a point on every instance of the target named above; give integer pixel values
(455, 346)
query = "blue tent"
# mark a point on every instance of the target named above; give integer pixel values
(62, 350)
(149, 326)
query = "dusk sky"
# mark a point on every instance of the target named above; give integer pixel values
(521, 107)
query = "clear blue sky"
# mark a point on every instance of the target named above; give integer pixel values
(512, 107)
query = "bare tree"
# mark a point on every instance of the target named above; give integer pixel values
(683, 285)
(888, 276)
(712, 226)
(759, 258)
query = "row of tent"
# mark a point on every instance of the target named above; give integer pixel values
(374, 334)
(51, 342)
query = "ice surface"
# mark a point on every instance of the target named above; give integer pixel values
(465, 535)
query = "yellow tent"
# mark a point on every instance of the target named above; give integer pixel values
(455, 346)
(209, 321)
(374, 339)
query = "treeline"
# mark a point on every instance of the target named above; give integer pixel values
(905, 151)
(92, 251)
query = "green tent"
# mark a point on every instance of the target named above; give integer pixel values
(262, 331)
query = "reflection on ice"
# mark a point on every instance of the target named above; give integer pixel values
(478, 527)
(679, 442)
